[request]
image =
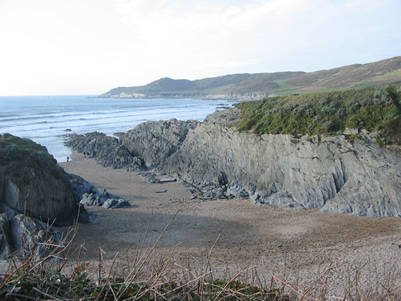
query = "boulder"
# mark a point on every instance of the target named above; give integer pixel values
(149, 178)
(116, 203)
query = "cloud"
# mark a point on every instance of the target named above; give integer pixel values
(217, 37)
(94, 45)
(203, 36)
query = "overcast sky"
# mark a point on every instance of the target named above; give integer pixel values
(53, 47)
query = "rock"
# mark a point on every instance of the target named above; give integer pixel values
(89, 195)
(80, 186)
(107, 150)
(166, 180)
(83, 217)
(224, 117)
(89, 199)
(5, 244)
(32, 182)
(349, 131)
(28, 236)
(150, 178)
(359, 178)
(116, 203)
(154, 142)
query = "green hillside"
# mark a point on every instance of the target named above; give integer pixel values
(357, 76)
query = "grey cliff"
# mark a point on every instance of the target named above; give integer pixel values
(107, 150)
(331, 173)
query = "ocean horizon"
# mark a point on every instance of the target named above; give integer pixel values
(48, 119)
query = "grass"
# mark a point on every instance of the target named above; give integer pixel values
(327, 113)
(21, 143)
(20, 154)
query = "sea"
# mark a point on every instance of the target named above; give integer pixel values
(48, 119)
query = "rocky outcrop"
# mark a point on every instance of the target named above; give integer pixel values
(331, 173)
(35, 195)
(154, 142)
(27, 236)
(89, 195)
(106, 150)
(360, 178)
(32, 183)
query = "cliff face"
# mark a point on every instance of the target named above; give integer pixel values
(154, 142)
(331, 173)
(31, 182)
(107, 150)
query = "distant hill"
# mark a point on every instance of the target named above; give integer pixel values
(255, 86)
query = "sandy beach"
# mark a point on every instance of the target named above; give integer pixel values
(297, 246)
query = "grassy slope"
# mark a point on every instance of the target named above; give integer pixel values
(325, 113)
(17, 155)
(355, 76)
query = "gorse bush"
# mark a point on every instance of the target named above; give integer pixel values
(375, 110)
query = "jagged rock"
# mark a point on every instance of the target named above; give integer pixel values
(331, 173)
(107, 150)
(89, 195)
(224, 117)
(116, 203)
(80, 186)
(150, 178)
(28, 236)
(90, 199)
(359, 178)
(156, 141)
(237, 191)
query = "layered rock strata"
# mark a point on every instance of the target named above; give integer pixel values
(360, 178)
(332, 173)
(107, 150)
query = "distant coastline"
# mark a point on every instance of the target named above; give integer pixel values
(245, 87)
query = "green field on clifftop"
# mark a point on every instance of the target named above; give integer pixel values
(374, 110)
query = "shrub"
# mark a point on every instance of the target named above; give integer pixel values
(289, 107)
(304, 110)
(324, 101)
(353, 106)
(330, 109)
(328, 126)
(340, 113)
(394, 95)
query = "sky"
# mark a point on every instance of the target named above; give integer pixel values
(87, 47)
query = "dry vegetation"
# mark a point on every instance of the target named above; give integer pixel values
(63, 275)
